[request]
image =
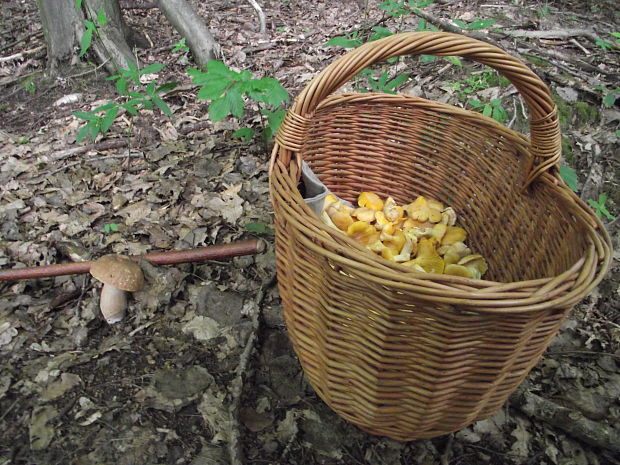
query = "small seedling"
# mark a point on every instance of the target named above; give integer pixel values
(259, 228)
(127, 85)
(493, 109)
(382, 83)
(110, 227)
(474, 25)
(600, 209)
(180, 46)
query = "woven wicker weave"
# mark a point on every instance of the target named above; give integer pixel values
(412, 355)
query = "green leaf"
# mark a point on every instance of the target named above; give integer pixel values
(459, 23)
(488, 110)
(152, 68)
(218, 68)
(130, 107)
(258, 228)
(86, 115)
(269, 91)
(167, 87)
(343, 42)
(244, 133)
(274, 118)
(610, 99)
(475, 103)
(82, 133)
(214, 89)
(480, 24)
(102, 19)
(109, 118)
(86, 40)
(380, 33)
(165, 109)
(569, 176)
(456, 61)
(499, 114)
(397, 81)
(121, 86)
(427, 58)
(235, 102)
(110, 227)
(219, 109)
(78, 4)
(150, 88)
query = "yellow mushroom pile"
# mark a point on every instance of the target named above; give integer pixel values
(421, 235)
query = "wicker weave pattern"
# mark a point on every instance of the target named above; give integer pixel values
(410, 355)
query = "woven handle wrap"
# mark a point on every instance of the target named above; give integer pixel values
(544, 125)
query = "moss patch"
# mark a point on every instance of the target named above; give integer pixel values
(575, 114)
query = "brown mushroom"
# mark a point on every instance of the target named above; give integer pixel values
(118, 275)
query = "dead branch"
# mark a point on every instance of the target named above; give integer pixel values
(171, 257)
(553, 57)
(261, 16)
(22, 39)
(563, 34)
(20, 55)
(139, 6)
(571, 421)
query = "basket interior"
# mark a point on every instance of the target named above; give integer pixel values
(467, 163)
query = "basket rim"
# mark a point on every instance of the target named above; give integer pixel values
(481, 296)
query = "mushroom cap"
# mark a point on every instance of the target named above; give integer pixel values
(118, 271)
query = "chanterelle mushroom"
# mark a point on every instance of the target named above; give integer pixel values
(118, 274)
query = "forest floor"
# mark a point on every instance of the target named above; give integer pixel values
(162, 386)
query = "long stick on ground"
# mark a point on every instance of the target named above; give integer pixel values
(572, 422)
(172, 257)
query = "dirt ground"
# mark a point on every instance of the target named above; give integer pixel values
(173, 383)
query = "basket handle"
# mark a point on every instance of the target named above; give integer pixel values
(545, 139)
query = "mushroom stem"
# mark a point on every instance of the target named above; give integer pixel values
(113, 303)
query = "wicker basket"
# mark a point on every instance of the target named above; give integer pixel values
(411, 355)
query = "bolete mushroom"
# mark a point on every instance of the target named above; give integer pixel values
(118, 275)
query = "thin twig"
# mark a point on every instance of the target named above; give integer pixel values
(234, 445)
(88, 71)
(576, 43)
(21, 39)
(261, 16)
(24, 54)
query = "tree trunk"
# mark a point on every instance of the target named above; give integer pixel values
(191, 26)
(60, 21)
(63, 26)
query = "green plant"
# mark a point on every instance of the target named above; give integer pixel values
(180, 46)
(569, 176)
(382, 82)
(128, 85)
(600, 208)
(493, 109)
(474, 25)
(228, 91)
(110, 227)
(609, 96)
(29, 85)
(355, 39)
(90, 31)
(397, 8)
(259, 228)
